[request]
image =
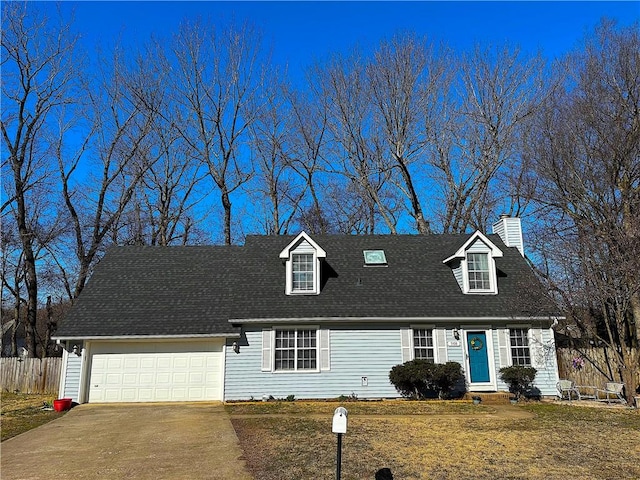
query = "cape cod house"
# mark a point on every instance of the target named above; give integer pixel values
(315, 316)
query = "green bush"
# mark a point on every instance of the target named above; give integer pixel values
(420, 379)
(446, 376)
(519, 378)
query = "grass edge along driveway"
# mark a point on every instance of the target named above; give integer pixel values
(439, 440)
(22, 412)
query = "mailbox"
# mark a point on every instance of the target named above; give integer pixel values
(339, 420)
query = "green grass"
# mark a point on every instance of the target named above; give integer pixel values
(21, 412)
(439, 440)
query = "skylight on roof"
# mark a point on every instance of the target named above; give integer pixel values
(374, 257)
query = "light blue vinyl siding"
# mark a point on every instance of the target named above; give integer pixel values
(479, 247)
(547, 369)
(458, 272)
(355, 353)
(304, 247)
(454, 349)
(72, 376)
(547, 376)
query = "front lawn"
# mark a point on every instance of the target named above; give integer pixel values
(439, 440)
(21, 412)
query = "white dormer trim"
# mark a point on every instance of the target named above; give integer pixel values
(478, 235)
(286, 253)
(476, 244)
(302, 244)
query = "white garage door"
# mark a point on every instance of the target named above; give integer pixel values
(156, 371)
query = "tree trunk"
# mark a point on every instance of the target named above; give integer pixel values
(226, 204)
(629, 374)
(30, 277)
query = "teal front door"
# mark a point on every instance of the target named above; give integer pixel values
(478, 358)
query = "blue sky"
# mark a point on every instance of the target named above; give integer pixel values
(300, 32)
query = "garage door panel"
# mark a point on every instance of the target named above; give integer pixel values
(145, 394)
(132, 361)
(164, 362)
(169, 371)
(212, 362)
(113, 378)
(111, 395)
(180, 378)
(100, 362)
(162, 394)
(129, 394)
(115, 362)
(197, 362)
(181, 362)
(148, 362)
(193, 393)
(179, 394)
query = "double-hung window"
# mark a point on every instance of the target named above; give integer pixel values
(302, 268)
(302, 258)
(520, 353)
(478, 271)
(423, 344)
(296, 350)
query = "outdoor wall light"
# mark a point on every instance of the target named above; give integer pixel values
(76, 350)
(456, 334)
(236, 347)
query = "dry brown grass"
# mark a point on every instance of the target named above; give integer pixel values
(440, 440)
(22, 412)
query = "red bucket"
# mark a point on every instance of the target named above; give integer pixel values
(62, 404)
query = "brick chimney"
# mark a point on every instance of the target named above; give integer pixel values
(509, 229)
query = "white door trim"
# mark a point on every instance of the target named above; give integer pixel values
(492, 384)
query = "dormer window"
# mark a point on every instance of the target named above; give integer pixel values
(478, 271)
(474, 265)
(302, 269)
(302, 266)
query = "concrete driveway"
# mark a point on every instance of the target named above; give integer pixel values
(136, 441)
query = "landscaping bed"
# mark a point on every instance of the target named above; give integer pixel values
(21, 412)
(439, 440)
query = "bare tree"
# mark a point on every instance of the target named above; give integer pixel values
(357, 150)
(282, 178)
(37, 74)
(122, 103)
(479, 132)
(165, 202)
(216, 83)
(307, 140)
(587, 159)
(403, 76)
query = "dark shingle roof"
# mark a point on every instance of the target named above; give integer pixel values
(155, 291)
(415, 283)
(196, 290)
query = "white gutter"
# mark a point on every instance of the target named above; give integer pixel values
(147, 337)
(387, 319)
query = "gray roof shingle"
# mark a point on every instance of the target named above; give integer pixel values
(196, 290)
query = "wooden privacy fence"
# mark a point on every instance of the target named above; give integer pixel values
(591, 372)
(31, 375)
